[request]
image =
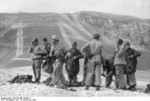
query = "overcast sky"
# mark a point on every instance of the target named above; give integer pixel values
(138, 8)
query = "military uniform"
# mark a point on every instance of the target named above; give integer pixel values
(37, 61)
(109, 68)
(72, 65)
(120, 63)
(45, 49)
(47, 63)
(93, 76)
(58, 52)
(131, 80)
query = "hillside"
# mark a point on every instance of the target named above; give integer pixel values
(18, 29)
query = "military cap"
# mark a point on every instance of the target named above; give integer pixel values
(126, 43)
(148, 86)
(74, 43)
(96, 36)
(35, 40)
(44, 39)
(120, 41)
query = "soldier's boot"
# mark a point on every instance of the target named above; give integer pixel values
(123, 88)
(70, 83)
(132, 88)
(37, 80)
(70, 77)
(83, 82)
(107, 86)
(97, 88)
(86, 87)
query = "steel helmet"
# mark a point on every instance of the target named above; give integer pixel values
(55, 37)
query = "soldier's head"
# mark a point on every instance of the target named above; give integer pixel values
(74, 45)
(55, 39)
(96, 36)
(35, 41)
(148, 86)
(127, 45)
(119, 42)
(44, 41)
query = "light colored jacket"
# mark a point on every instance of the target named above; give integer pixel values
(120, 56)
(58, 50)
(96, 50)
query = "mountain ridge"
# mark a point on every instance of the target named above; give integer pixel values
(70, 27)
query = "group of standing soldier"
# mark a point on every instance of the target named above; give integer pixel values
(122, 63)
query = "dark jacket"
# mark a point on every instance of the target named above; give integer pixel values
(132, 60)
(135, 54)
(72, 65)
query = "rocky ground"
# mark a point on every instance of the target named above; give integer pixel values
(41, 90)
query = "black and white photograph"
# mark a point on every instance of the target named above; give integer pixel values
(74, 48)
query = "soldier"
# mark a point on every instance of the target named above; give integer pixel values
(72, 63)
(35, 50)
(46, 46)
(47, 65)
(93, 76)
(131, 59)
(58, 53)
(109, 68)
(120, 63)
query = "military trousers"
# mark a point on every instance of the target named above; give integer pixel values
(84, 73)
(120, 76)
(36, 65)
(131, 80)
(57, 75)
(93, 76)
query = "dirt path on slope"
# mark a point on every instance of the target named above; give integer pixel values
(19, 41)
(64, 35)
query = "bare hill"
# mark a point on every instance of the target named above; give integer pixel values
(18, 29)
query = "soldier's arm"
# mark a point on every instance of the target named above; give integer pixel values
(136, 53)
(66, 57)
(48, 48)
(38, 51)
(43, 50)
(102, 56)
(121, 52)
(31, 49)
(64, 50)
(79, 56)
(84, 48)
